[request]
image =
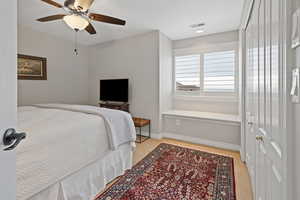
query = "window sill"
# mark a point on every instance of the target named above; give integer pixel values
(208, 98)
(203, 115)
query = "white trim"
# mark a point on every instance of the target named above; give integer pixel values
(218, 118)
(201, 51)
(247, 11)
(232, 97)
(196, 140)
(207, 120)
(242, 91)
(248, 7)
(214, 121)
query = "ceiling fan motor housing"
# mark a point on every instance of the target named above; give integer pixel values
(79, 5)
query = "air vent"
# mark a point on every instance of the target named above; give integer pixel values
(200, 25)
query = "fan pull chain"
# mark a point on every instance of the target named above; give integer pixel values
(76, 43)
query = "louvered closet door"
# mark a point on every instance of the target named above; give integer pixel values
(263, 101)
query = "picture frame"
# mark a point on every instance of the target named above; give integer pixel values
(31, 67)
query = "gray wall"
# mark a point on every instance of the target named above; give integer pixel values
(67, 74)
(208, 40)
(136, 58)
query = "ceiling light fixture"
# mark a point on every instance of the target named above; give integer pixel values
(199, 30)
(76, 22)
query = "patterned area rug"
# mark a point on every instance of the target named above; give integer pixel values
(176, 173)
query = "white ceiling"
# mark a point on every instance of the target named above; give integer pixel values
(172, 17)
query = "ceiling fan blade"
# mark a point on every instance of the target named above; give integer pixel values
(90, 28)
(106, 19)
(51, 18)
(53, 3)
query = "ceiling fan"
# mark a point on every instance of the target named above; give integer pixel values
(78, 16)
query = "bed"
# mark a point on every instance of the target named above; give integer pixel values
(71, 152)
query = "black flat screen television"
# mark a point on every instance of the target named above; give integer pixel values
(114, 90)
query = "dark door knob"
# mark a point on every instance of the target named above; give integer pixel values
(11, 138)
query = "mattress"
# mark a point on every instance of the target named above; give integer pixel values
(89, 181)
(58, 144)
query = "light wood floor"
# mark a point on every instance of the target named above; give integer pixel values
(243, 187)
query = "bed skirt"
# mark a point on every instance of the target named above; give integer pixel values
(86, 183)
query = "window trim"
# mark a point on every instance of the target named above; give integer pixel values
(201, 51)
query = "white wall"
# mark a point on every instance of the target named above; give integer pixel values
(67, 74)
(220, 105)
(136, 58)
(165, 75)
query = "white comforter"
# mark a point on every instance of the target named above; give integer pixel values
(60, 142)
(119, 125)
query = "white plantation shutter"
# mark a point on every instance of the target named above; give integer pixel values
(219, 71)
(187, 72)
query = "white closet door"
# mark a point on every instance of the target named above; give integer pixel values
(263, 101)
(8, 100)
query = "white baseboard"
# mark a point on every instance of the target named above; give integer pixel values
(196, 140)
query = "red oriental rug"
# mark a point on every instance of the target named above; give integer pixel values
(176, 173)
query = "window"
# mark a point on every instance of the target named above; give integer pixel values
(187, 73)
(206, 72)
(219, 70)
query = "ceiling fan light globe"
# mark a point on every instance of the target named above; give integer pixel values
(76, 22)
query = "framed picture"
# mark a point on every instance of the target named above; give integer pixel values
(32, 68)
